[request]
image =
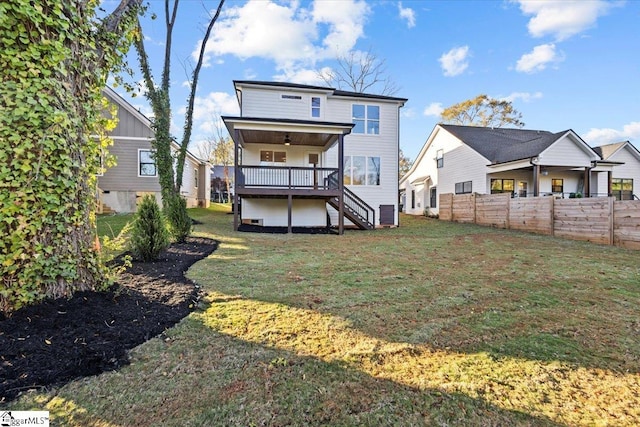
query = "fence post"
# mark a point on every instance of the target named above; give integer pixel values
(552, 214)
(611, 220)
(475, 208)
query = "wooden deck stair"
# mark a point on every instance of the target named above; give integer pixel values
(356, 210)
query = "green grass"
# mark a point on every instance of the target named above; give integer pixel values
(431, 323)
(111, 225)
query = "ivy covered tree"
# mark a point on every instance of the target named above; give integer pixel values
(158, 95)
(55, 57)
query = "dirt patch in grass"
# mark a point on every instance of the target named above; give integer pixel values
(56, 341)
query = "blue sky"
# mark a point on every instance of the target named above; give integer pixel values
(563, 64)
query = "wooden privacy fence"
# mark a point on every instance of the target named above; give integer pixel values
(601, 220)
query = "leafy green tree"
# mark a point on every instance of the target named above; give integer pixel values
(158, 96)
(482, 111)
(404, 164)
(149, 235)
(54, 61)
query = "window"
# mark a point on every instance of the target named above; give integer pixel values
(557, 185)
(366, 119)
(146, 163)
(315, 106)
(272, 157)
(413, 199)
(361, 170)
(463, 187)
(502, 186)
(433, 197)
(439, 158)
(622, 188)
(195, 176)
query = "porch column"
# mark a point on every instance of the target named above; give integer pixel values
(341, 184)
(536, 180)
(587, 182)
(289, 216)
(236, 174)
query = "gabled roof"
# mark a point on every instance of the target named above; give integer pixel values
(333, 91)
(501, 145)
(608, 150)
(144, 119)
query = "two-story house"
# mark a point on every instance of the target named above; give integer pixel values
(121, 187)
(313, 156)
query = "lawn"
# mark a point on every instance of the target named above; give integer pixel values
(431, 323)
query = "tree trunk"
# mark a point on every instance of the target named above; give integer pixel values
(53, 74)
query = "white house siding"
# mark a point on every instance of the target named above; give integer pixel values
(463, 164)
(268, 102)
(630, 169)
(383, 145)
(566, 152)
(274, 212)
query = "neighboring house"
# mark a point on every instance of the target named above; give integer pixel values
(470, 159)
(625, 180)
(309, 156)
(219, 191)
(121, 187)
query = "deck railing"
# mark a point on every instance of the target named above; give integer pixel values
(289, 177)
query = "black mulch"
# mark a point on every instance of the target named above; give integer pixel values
(57, 341)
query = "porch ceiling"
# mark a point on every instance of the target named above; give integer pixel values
(250, 136)
(283, 131)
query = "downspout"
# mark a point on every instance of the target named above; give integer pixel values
(587, 179)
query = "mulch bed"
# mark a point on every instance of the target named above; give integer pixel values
(59, 340)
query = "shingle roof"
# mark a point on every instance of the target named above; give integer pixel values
(500, 145)
(335, 92)
(606, 151)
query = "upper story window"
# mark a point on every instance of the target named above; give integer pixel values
(315, 106)
(439, 158)
(146, 163)
(366, 119)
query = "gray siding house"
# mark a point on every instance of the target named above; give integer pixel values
(121, 187)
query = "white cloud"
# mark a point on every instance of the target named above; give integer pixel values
(562, 18)
(287, 33)
(408, 113)
(455, 61)
(408, 14)
(602, 136)
(300, 75)
(207, 111)
(539, 58)
(434, 109)
(524, 96)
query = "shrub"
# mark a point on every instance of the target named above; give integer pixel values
(149, 235)
(180, 224)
